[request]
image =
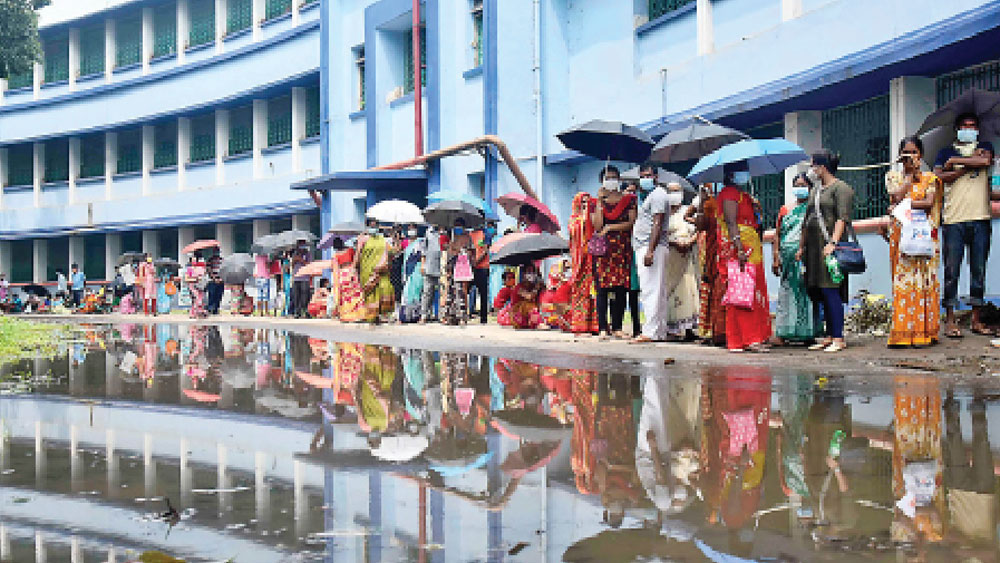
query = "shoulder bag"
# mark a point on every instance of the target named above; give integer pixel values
(849, 254)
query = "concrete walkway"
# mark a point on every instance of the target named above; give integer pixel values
(970, 357)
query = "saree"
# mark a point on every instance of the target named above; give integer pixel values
(917, 441)
(614, 269)
(553, 302)
(681, 277)
(744, 327)
(916, 290)
(582, 315)
(347, 290)
(794, 319)
(375, 257)
(712, 313)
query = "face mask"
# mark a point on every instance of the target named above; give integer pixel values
(800, 192)
(967, 135)
(696, 202)
(812, 175)
(373, 230)
(741, 178)
(612, 185)
(646, 184)
(675, 198)
(459, 230)
(411, 233)
(491, 231)
(530, 278)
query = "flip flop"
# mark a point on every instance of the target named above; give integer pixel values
(983, 331)
(954, 333)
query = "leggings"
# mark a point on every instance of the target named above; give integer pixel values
(617, 308)
(833, 309)
(633, 309)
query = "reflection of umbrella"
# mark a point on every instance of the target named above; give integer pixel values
(531, 456)
(201, 396)
(293, 237)
(35, 289)
(130, 258)
(356, 460)
(528, 248)
(200, 245)
(513, 202)
(529, 425)
(693, 138)
(983, 103)
(445, 213)
(663, 177)
(395, 211)
(400, 448)
(270, 244)
(611, 140)
(763, 156)
(452, 195)
(236, 269)
(317, 381)
(314, 268)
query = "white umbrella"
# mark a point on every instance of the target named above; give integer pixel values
(395, 211)
(400, 448)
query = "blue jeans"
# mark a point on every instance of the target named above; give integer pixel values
(975, 235)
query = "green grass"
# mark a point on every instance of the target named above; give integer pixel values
(20, 339)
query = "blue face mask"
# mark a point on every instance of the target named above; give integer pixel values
(800, 192)
(373, 230)
(741, 178)
(646, 184)
(967, 135)
(490, 231)
(459, 230)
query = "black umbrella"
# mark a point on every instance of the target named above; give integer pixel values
(612, 140)
(983, 103)
(293, 237)
(35, 289)
(342, 231)
(270, 245)
(236, 269)
(693, 138)
(130, 258)
(445, 213)
(528, 248)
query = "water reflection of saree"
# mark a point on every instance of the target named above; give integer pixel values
(375, 385)
(604, 430)
(917, 442)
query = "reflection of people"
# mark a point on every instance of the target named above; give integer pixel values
(916, 460)
(971, 487)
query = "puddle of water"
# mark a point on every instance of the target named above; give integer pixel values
(214, 444)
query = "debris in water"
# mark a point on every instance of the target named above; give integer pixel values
(517, 548)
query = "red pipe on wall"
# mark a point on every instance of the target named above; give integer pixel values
(418, 67)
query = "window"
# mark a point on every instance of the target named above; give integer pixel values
(477, 33)
(92, 51)
(279, 121)
(21, 80)
(57, 161)
(202, 18)
(240, 15)
(93, 257)
(58, 256)
(165, 144)
(408, 59)
(128, 39)
(56, 60)
(312, 111)
(359, 68)
(22, 262)
(203, 138)
(985, 77)
(129, 151)
(164, 30)
(277, 8)
(21, 165)
(241, 130)
(92, 156)
(166, 240)
(242, 236)
(203, 232)
(658, 8)
(860, 133)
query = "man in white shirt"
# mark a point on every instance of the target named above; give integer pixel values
(649, 239)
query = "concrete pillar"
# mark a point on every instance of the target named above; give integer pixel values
(110, 161)
(300, 222)
(74, 167)
(38, 177)
(5, 259)
(75, 253)
(112, 250)
(183, 150)
(298, 123)
(911, 99)
(221, 24)
(75, 550)
(111, 466)
(37, 79)
(258, 13)
(261, 227)
(183, 29)
(110, 50)
(804, 128)
(295, 12)
(4, 168)
(221, 144)
(3, 89)
(148, 151)
(185, 236)
(151, 243)
(259, 136)
(224, 234)
(706, 32)
(147, 38)
(74, 56)
(148, 465)
(41, 550)
(790, 9)
(40, 260)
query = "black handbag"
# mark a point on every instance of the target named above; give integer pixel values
(849, 254)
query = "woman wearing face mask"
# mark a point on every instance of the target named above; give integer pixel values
(613, 219)
(373, 273)
(524, 305)
(796, 316)
(825, 226)
(916, 292)
(505, 298)
(682, 267)
(711, 311)
(460, 270)
(413, 285)
(739, 241)
(583, 305)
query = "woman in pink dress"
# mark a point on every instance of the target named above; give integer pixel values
(147, 277)
(193, 276)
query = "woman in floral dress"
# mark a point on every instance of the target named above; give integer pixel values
(613, 219)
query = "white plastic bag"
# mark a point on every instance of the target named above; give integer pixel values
(915, 236)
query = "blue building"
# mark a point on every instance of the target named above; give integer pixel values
(195, 117)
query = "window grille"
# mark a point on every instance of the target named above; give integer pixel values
(985, 76)
(769, 189)
(92, 156)
(203, 138)
(21, 80)
(240, 15)
(57, 161)
(21, 165)
(202, 18)
(860, 133)
(92, 51)
(21, 263)
(242, 237)
(57, 60)
(129, 152)
(477, 32)
(165, 145)
(279, 121)
(128, 40)
(359, 66)
(165, 30)
(658, 8)
(408, 60)
(276, 8)
(241, 131)
(312, 111)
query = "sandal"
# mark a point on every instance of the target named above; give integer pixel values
(983, 330)
(820, 345)
(640, 340)
(836, 347)
(758, 348)
(954, 332)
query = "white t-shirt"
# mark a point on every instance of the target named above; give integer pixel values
(655, 203)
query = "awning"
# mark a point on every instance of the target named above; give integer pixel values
(409, 180)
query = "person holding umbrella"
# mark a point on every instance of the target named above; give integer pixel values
(963, 168)
(613, 220)
(147, 276)
(430, 267)
(372, 262)
(459, 275)
(649, 240)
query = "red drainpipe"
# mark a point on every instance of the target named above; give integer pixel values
(418, 109)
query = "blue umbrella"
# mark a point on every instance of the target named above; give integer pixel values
(763, 156)
(611, 140)
(452, 195)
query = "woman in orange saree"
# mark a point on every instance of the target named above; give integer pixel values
(583, 299)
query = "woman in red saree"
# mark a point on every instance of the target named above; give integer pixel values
(554, 300)
(583, 305)
(712, 316)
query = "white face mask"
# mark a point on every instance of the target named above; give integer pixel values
(612, 184)
(411, 233)
(675, 198)
(813, 176)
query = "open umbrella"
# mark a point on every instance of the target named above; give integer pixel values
(293, 237)
(531, 456)
(763, 156)
(984, 103)
(200, 245)
(35, 289)
(693, 138)
(400, 448)
(512, 202)
(445, 195)
(395, 211)
(314, 268)
(528, 248)
(236, 269)
(201, 396)
(270, 245)
(529, 425)
(341, 231)
(167, 264)
(612, 140)
(445, 213)
(130, 258)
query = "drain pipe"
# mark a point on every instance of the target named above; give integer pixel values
(539, 121)
(418, 67)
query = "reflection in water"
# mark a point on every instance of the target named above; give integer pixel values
(267, 446)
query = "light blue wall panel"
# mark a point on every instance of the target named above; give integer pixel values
(90, 190)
